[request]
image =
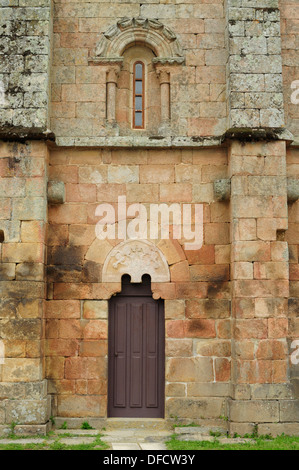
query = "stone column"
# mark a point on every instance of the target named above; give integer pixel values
(112, 76)
(259, 219)
(23, 188)
(165, 96)
(164, 78)
(23, 214)
(254, 68)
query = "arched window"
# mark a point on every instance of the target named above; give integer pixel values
(138, 95)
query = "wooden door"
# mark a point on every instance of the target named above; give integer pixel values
(136, 354)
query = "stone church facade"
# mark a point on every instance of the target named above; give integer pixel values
(185, 103)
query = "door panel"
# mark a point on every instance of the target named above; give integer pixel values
(120, 356)
(135, 344)
(136, 374)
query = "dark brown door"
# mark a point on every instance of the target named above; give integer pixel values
(136, 354)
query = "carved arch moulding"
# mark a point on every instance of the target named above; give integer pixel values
(135, 31)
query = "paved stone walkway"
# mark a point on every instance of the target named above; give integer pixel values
(128, 439)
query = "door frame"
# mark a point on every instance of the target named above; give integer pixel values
(133, 291)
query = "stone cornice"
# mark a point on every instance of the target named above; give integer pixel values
(22, 134)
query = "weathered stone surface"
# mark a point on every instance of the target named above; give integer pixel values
(289, 411)
(277, 429)
(221, 94)
(56, 192)
(254, 411)
(189, 370)
(28, 411)
(191, 407)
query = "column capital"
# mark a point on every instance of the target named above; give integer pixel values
(113, 73)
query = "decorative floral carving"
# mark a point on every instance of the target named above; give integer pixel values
(136, 257)
(127, 257)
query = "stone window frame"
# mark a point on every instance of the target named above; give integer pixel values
(142, 95)
(144, 32)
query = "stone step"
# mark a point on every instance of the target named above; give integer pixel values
(203, 430)
(139, 424)
(131, 435)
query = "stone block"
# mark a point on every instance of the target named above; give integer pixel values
(179, 347)
(29, 208)
(95, 329)
(29, 429)
(222, 189)
(92, 348)
(30, 271)
(200, 407)
(78, 406)
(200, 328)
(28, 411)
(271, 391)
(174, 309)
(198, 369)
(222, 369)
(61, 347)
(277, 429)
(56, 192)
(180, 272)
(175, 328)
(172, 251)
(69, 329)
(95, 309)
(7, 271)
(242, 392)
(249, 328)
(32, 231)
(85, 368)
(242, 270)
(21, 370)
(176, 192)
(55, 367)
(124, 174)
(63, 309)
(244, 411)
(220, 348)
(241, 428)
(208, 273)
(249, 251)
(208, 308)
(175, 390)
(198, 389)
(23, 252)
(289, 411)
(206, 255)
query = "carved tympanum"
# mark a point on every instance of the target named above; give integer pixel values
(136, 257)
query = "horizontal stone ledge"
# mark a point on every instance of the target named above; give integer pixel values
(160, 141)
(259, 134)
(22, 134)
(149, 142)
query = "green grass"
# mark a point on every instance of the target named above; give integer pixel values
(86, 425)
(260, 443)
(96, 444)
